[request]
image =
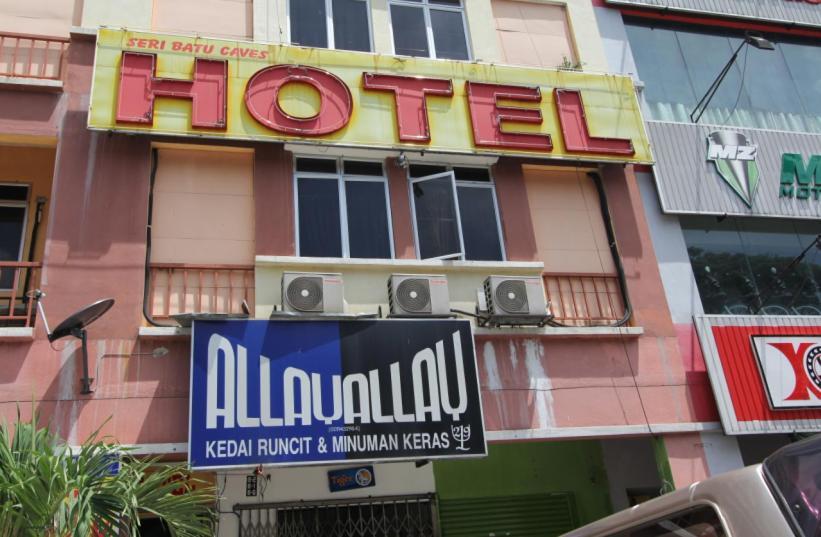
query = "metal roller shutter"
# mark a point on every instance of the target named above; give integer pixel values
(537, 515)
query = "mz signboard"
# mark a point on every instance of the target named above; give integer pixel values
(307, 392)
(740, 172)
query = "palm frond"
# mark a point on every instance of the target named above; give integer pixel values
(46, 489)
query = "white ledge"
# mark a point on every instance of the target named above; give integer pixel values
(31, 83)
(82, 31)
(529, 267)
(561, 331)
(16, 333)
(600, 430)
(551, 331)
(164, 331)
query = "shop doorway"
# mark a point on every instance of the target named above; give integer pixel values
(396, 516)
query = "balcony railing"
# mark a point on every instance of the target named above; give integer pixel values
(32, 56)
(17, 278)
(584, 299)
(181, 288)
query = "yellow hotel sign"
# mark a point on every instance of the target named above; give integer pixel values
(186, 86)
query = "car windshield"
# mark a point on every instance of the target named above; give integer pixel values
(794, 472)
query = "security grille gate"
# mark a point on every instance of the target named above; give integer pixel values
(395, 516)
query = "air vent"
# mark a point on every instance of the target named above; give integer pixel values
(417, 295)
(413, 295)
(312, 293)
(511, 296)
(305, 293)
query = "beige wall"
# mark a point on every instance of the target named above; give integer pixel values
(203, 207)
(582, 24)
(212, 18)
(41, 17)
(134, 14)
(218, 18)
(567, 221)
(533, 34)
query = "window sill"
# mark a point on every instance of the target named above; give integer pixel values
(331, 263)
(16, 333)
(172, 332)
(150, 332)
(563, 332)
(31, 84)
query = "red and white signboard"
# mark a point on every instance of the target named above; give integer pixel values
(765, 371)
(791, 369)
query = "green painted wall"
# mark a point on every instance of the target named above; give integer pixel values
(532, 468)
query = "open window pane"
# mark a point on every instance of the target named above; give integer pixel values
(472, 174)
(410, 38)
(319, 222)
(308, 23)
(449, 34)
(437, 222)
(479, 230)
(11, 234)
(423, 170)
(351, 25)
(368, 234)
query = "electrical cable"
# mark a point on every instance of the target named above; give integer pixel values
(790, 266)
(628, 306)
(740, 88)
(614, 252)
(622, 278)
(155, 157)
(807, 275)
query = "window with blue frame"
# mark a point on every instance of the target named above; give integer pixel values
(770, 89)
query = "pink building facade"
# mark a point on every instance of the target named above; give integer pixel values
(610, 405)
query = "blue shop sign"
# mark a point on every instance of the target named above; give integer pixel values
(307, 392)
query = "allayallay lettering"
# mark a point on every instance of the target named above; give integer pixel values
(355, 398)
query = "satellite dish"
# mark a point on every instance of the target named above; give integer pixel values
(75, 325)
(81, 319)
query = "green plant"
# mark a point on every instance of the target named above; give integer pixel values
(48, 489)
(569, 65)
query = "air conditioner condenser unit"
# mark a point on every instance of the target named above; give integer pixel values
(415, 295)
(308, 292)
(515, 300)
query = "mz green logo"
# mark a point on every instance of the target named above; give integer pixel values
(799, 181)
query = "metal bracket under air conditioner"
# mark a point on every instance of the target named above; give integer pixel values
(295, 316)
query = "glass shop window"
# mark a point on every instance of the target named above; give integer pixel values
(769, 89)
(342, 209)
(751, 266)
(337, 24)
